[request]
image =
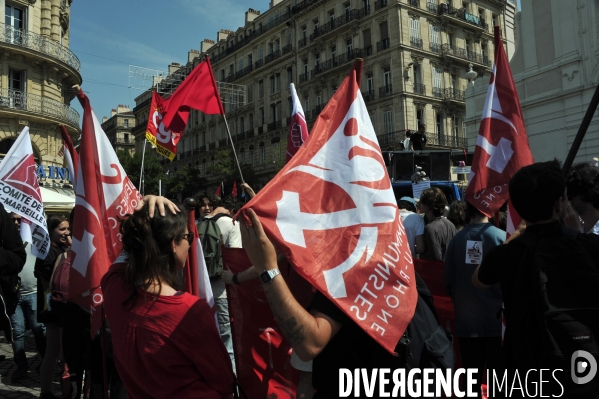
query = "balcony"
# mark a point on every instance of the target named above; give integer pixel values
(368, 95)
(348, 16)
(301, 5)
(39, 105)
(431, 7)
(287, 49)
(416, 42)
(446, 140)
(368, 50)
(42, 44)
(258, 64)
(211, 146)
(302, 42)
(461, 15)
(335, 62)
(465, 54)
(260, 129)
(414, 3)
(303, 77)
(419, 88)
(435, 48)
(383, 44)
(272, 56)
(378, 4)
(248, 133)
(385, 91)
(389, 139)
(438, 92)
(274, 125)
(453, 94)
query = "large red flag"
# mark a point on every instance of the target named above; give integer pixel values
(298, 129)
(234, 190)
(70, 154)
(332, 212)
(198, 91)
(104, 194)
(502, 144)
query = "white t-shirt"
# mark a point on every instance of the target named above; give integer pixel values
(230, 232)
(414, 225)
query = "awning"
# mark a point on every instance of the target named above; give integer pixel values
(57, 200)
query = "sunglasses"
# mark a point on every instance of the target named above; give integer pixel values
(188, 237)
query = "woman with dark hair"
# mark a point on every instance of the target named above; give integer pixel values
(60, 241)
(457, 214)
(439, 231)
(165, 341)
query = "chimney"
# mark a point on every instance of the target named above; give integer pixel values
(192, 55)
(274, 3)
(250, 15)
(205, 45)
(173, 67)
(104, 119)
(157, 79)
(223, 34)
(121, 109)
(112, 112)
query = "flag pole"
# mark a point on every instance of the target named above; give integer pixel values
(141, 173)
(586, 121)
(233, 147)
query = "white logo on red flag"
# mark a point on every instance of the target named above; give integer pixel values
(163, 139)
(332, 212)
(20, 193)
(501, 145)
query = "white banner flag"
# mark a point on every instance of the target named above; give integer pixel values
(20, 193)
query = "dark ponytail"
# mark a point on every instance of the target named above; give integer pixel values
(147, 242)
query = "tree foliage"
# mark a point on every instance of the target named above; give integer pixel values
(153, 172)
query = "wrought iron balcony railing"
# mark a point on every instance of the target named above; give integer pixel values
(416, 42)
(419, 88)
(453, 94)
(302, 42)
(435, 48)
(431, 6)
(414, 3)
(335, 62)
(303, 77)
(385, 91)
(437, 92)
(368, 95)
(33, 41)
(461, 14)
(446, 140)
(465, 54)
(388, 138)
(383, 44)
(39, 105)
(287, 49)
(379, 4)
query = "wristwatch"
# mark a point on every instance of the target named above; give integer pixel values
(267, 275)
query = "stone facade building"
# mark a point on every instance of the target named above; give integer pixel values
(118, 128)
(416, 55)
(37, 71)
(556, 72)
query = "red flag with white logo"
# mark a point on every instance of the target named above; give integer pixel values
(332, 212)
(104, 195)
(298, 128)
(70, 154)
(20, 193)
(502, 144)
(163, 139)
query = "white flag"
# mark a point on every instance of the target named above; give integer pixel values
(20, 193)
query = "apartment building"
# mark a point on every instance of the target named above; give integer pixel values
(118, 128)
(416, 56)
(36, 76)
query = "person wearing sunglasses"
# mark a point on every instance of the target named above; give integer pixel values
(166, 343)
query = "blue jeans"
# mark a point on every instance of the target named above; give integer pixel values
(26, 314)
(222, 311)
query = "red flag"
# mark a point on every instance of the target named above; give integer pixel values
(190, 273)
(71, 154)
(218, 190)
(104, 194)
(332, 212)
(163, 139)
(198, 91)
(502, 144)
(234, 191)
(261, 352)
(298, 129)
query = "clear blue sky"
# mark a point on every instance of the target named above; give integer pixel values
(109, 35)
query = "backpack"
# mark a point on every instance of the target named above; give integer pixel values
(556, 289)
(426, 343)
(210, 237)
(10, 290)
(59, 283)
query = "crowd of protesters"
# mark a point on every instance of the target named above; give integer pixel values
(158, 335)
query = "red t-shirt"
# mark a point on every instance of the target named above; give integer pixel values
(168, 348)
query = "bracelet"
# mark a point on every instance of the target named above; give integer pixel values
(236, 278)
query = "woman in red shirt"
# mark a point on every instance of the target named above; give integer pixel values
(166, 344)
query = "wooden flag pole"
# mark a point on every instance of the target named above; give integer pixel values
(586, 121)
(233, 147)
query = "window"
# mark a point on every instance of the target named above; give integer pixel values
(373, 120)
(203, 138)
(250, 59)
(386, 77)
(481, 14)
(126, 137)
(272, 84)
(388, 122)
(468, 48)
(318, 101)
(240, 65)
(439, 123)
(414, 28)
(242, 156)
(347, 11)
(125, 122)
(289, 75)
(333, 52)
(261, 89)
(417, 74)
(260, 54)
(276, 151)
(261, 117)
(384, 30)
(213, 134)
(14, 18)
(367, 41)
(332, 17)
(277, 82)
(251, 122)
(456, 125)
(16, 80)
(231, 69)
(437, 78)
(304, 32)
(366, 5)
(306, 68)
(222, 75)
(419, 117)
(349, 45)
(370, 83)
(450, 39)
(251, 156)
(483, 50)
(273, 111)
(434, 37)
(315, 25)
(494, 20)
(250, 92)
(241, 125)
(261, 153)
(223, 131)
(317, 61)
